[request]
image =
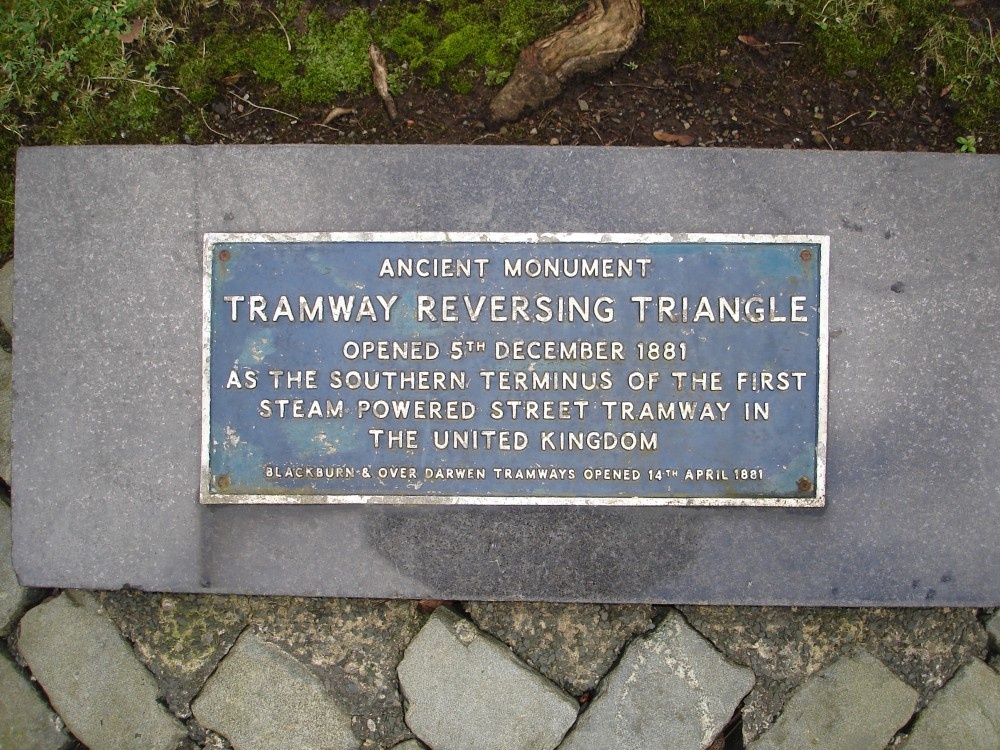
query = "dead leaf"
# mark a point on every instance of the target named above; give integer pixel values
(336, 112)
(230, 80)
(681, 139)
(429, 605)
(133, 33)
(963, 3)
(751, 41)
(947, 90)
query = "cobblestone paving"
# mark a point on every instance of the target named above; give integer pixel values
(346, 653)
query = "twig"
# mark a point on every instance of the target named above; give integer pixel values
(288, 39)
(148, 84)
(597, 134)
(752, 114)
(205, 120)
(838, 124)
(823, 136)
(246, 100)
(327, 127)
(614, 85)
(544, 118)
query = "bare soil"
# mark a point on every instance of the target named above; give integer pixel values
(760, 91)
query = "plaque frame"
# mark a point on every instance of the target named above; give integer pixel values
(816, 500)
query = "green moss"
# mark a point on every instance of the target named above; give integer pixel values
(459, 42)
(268, 56)
(65, 72)
(136, 111)
(408, 34)
(194, 78)
(335, 59)
(330, 58)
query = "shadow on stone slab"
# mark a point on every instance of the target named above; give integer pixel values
(528, 547)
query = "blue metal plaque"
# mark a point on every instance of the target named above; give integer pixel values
(515, 369)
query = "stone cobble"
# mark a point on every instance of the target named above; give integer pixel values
(670, 689)
(26, 721)
(93, 679)
(856, 703)
(964, 714)
(784, 645)
(464, 689)
(261, 698)
(993, 628)
(14, 598)
(345, 653)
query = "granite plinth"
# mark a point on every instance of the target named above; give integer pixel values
(107, 412)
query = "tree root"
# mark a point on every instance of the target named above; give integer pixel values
(603, 32)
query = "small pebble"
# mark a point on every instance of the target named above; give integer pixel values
(554, 142)
(582, 104)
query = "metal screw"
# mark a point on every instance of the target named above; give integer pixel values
(804, 485)
(224, 255)
(806, 255)
(223, 482)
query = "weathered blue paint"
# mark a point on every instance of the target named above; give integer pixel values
(331, 456)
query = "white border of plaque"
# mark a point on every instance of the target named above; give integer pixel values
(814, 499)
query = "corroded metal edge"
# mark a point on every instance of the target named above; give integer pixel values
(207, 497)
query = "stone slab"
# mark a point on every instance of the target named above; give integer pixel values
(108, 367)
